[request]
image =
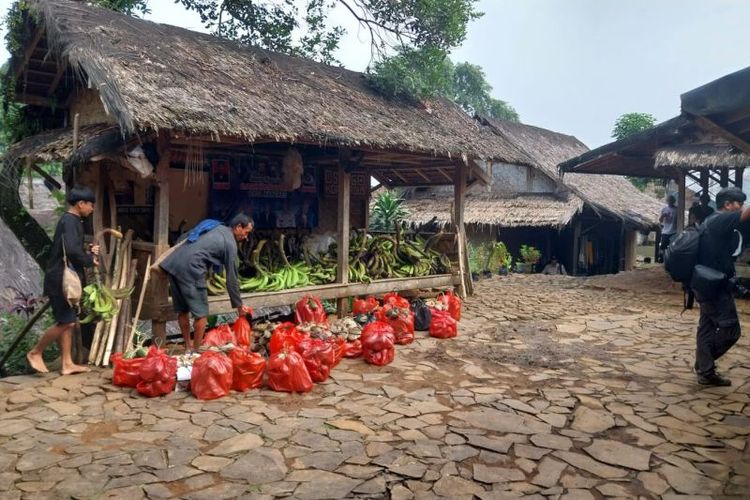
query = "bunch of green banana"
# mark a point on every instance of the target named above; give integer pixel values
(101, 302)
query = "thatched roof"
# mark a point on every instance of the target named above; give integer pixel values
(57, 144)
(156, 76)
(612, 194)
(528, 210)
(701, 156)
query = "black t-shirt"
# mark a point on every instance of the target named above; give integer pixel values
(720, 238)
(71, 228)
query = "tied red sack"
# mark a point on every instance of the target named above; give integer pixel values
(248, 369)
(242, 331)
(309, 309)
(353, 349)
(158, 374)
(443, 326)
(219, 336)
(339, 349)
(395, 300)
(364, 306)
(319, 357)
(212, 375)
(401, 320)
(126, 372)
(378, 342)
(452, 302)
(285, 337)
(287, 373)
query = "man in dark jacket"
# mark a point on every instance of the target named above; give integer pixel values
(188, 267)
(69, 232)
(720, 244)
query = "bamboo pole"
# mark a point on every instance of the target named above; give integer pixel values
(123, 264)
(144, 287)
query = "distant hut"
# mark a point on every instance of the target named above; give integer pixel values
(589, 222)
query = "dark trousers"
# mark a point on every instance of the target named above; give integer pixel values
(718, 331)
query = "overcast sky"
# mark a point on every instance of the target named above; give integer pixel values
(574, 66)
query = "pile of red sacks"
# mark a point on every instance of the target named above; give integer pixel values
(296, 361)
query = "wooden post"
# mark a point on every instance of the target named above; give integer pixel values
(161, 232)
(631, 243)
(681, 202)
(344, 202)
(724, 177)
(576, 247)
(704, 183)
(738, 173)
(459, 198)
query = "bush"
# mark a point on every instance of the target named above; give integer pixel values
(530, 255)
(10, 325)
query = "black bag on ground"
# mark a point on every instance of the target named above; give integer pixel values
(681, 255)
(422, 314)
(706, 283)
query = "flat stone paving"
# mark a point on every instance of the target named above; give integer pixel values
(556, 387)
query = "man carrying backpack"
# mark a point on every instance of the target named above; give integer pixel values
(720, 244)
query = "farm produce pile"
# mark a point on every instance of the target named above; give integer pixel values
(289, 356)
(271, 266)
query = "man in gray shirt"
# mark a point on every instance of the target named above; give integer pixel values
(188, 267)
(668, 221)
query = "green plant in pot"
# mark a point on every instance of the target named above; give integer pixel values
(500, 258)
(530, 256)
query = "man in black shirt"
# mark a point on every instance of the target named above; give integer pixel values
(69, 231)
(720, 244)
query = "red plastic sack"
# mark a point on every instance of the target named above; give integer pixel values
(319, 357)
(212, 375)
(378, 342)
(339, 349)
(126, 372)
(248, 369)
(243, 332)
(364, 306)
(401, 320)
(443, 326)
(287, 373)
(353, 349)
(219, 336)
(452, 302)
(395, 300)
(309, 309)
(158, 374)
(285, 337)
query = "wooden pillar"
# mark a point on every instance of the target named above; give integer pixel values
(724, 177)
(161, 233)
(576, 247)
(344, 208)
(738, 173)
(704, 183)
(459, 200)
(681, 202)
(30, 181)
(630, 243)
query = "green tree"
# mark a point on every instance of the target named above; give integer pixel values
(472, 92)
(629, 124)
(131, 7)
(387, 212)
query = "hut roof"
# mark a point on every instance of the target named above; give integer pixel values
(701, 156)
(156, 76)
(57, 144)
(525, 210)
(609, 193)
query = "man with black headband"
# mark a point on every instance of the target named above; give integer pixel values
(69, 232)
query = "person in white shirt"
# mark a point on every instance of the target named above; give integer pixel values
(554, 267)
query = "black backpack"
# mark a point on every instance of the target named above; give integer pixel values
(681, 256)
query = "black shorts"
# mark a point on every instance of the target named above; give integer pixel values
(187, 297)
(61, 310)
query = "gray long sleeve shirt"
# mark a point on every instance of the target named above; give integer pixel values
(191, 261)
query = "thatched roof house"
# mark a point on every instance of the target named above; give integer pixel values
(153, 76)
(612, 195)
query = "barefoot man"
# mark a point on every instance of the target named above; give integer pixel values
(70, 230)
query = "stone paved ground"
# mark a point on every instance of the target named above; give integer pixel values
(557, 387)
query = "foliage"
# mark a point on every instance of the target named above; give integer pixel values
(427, 72)
(10, 325)
(387, 212)
(23, 303)
(477, 257)
(629, 124)
(530, 254)
(130, 7)
(300, 28)
(499, 256)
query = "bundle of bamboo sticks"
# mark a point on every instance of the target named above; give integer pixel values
(120, 273)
